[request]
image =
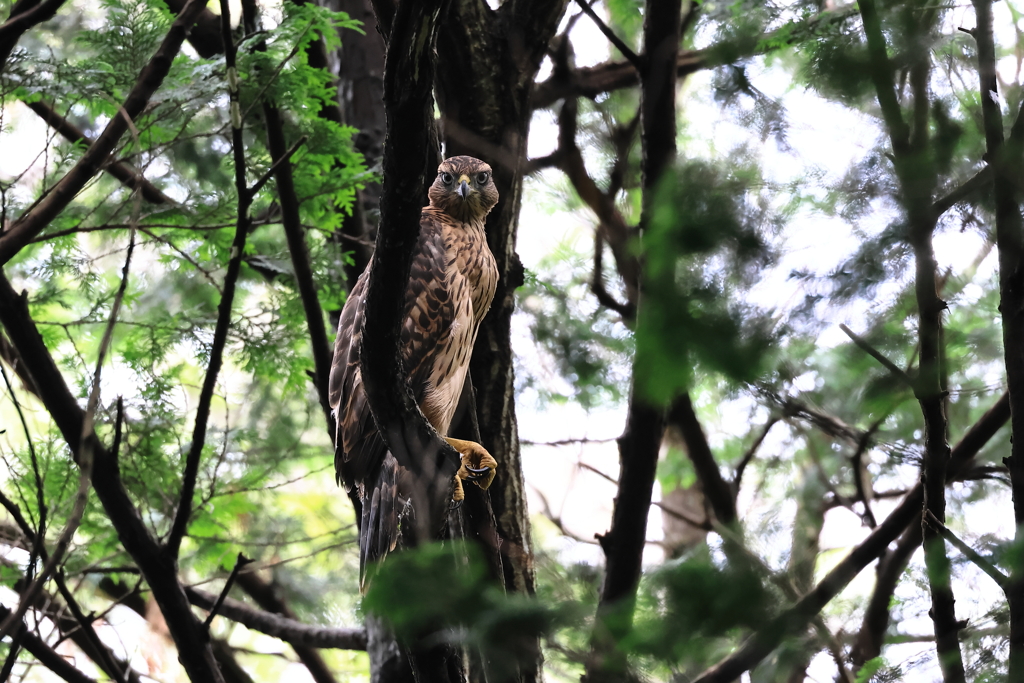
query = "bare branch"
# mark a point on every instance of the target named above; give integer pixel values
(269, 597)
(896, 371)
(126, 173)
(717, 490)
(24, 15)
(240, 562)
(621, 46)
(970, 553)
(220, 333)
(288, 630)
(33, 221)
(762, 643)
(46, 655)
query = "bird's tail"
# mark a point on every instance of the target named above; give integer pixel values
(384, 505)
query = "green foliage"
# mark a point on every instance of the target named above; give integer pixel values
(586, 345)
(436, 593)
(691, 604)
(705, 239)
(265, 438)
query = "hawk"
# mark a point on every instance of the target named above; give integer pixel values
(451, 284)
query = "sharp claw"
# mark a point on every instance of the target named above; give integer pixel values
(456, 504)
(478, 472)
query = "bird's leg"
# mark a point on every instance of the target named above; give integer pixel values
(458, 494)
(477, 464)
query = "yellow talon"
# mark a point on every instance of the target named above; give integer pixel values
(474, 457)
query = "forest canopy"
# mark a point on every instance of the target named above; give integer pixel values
(753, 374)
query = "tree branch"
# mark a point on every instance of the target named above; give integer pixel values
(1004, 159)
(762, 643)
(268, 597)
(220, 332)
(408, 80)
(970, 553)
(17, 24)
(63, 407)
(645, 423)
(46, 655)
(717, 490)
(289, 630)
(125, 172)
(35, 219)
(868, 643)
(621, 46)
(896, 370)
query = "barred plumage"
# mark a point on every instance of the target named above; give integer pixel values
(451, 284)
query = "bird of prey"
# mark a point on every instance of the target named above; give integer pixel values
(451, 284)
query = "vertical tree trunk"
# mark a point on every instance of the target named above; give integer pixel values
(1004, 155)
(645, 423)
(488, 63)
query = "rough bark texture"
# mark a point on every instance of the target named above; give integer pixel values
(488, 61)
(359, 65)
(1003, 157)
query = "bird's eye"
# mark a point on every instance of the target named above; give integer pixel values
(482, 177)
(446, 178)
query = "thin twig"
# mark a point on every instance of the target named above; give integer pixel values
(671, 512)
(220, 334)
(258, 185)
(620, 45)
(749, 455)
(85, 456)
(40, 501)
(897, 372)
(970, 553)
(240, 562)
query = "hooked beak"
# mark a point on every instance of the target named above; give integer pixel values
(463, 188)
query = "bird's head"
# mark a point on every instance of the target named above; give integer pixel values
(464, 188)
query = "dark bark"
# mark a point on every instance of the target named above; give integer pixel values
(131, 598)
(612, 228)
(871, 636)
(220, 334)
(205, 35)
(361, 96)
(623, 545)
(489, 60)
(24, 15)
(46, 655)
(1009, 229)
(295, 633)
(640, 443)
(159, 571)
(34, 220)
(409, 161)
(917, 178)
(408, 152)
(301, 263)
(762, 643)
(73, 625)
(717, 491)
